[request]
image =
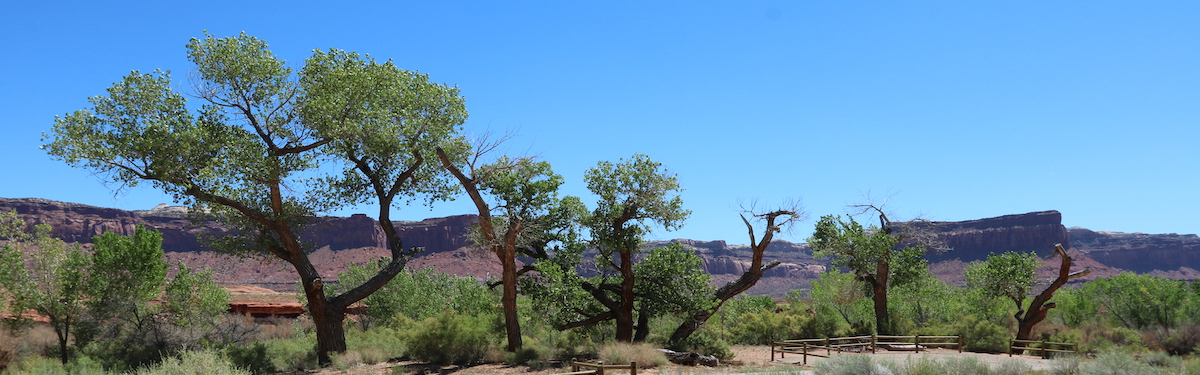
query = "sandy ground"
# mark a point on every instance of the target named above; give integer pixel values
(748, 359)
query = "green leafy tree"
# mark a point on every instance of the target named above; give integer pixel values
(408, 294)
(926, 300)
(1141, 301)
(1011, 275)
(839, 292)
(634, 195)
(253, 153)
(510, 195)
(45, 275)
(870, 253)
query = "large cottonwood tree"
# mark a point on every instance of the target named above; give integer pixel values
(258, 150)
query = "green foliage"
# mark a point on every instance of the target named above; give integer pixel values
(977, 335)
(1075, 307)
(1008, 275)
(1141, 301)
(409, 294)
(839, 293)
(706, 342)
(849, 245)
(797, 321)
(670, 280)
(635, 193)
(252, 358)
(44, 274)
(925, 301)
(193, 362)
(452, 338)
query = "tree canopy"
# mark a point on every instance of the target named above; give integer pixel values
(267, 149)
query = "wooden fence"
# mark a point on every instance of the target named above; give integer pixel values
(807, 347)
(1045, 347)
(588, 368)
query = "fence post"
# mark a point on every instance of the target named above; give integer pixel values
(804, 346)
(1010, 346)
(960, 343)
(1045, 354)
(917, 342)
(827, 350)
(874, 342)
(632, 368)
(600, 369)
(773, 351)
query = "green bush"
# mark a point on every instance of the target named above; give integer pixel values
(978, 335)
(294, 354)
(188, 363)
(452, 338)
(252, 357)
(705, 342)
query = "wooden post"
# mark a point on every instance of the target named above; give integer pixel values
(874, 342)
(1045, 354)
(827, 350)
(600, 369)
(632, 368)
(805, 349)
(960, 343)
(773, 351)
(1010, 346)
(917, 342)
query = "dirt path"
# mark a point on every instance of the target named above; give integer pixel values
(747, 359)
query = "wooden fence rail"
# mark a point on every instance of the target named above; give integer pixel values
(860, 343)
(1045, 347)
(578, 368)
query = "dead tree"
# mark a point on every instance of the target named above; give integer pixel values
(1040, 305)
(775, 220)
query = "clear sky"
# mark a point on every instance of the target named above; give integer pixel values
(957, 110)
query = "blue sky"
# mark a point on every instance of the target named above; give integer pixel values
(956, 110)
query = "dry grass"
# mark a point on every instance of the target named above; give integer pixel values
(646, 355)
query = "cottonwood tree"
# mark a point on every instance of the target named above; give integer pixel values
(634, 195)
(774, 221)
(45, 275)
(872, 254)
(253, 153)
(511, 195)
(1011, 275)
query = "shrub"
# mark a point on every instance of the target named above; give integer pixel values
(251, 357)
(1161, 359)
(851, 365)
(705, 342)
(1116, 363)
(978, 335)
(1176, 341)
(966, 366)
(451, 338)
(188, 363)
(1067, 365)
(619, 353)
(292, 354)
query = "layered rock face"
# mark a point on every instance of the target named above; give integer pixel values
(1139, 252)
(79, 223)
(338, 241)
(974, 239)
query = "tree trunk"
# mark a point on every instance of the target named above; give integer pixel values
(512, 324)
(743, 283)
(879, 287)
(643, 326)
(625, 309)
(1039, 307)
(331, 334)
